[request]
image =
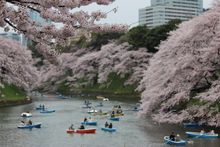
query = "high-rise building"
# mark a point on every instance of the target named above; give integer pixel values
(162, 11)
(14, 36)
(34, 15)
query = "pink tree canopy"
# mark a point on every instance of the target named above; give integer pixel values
(88, 64)
(16, 16)
(16, 65)
(182, 80)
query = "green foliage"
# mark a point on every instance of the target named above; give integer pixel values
(61, 48)
(137, 36)
(142, 36)
(11, 92)
(99, 39)
(196, 102)
(82, 42)
(63, 88)
(158, 34)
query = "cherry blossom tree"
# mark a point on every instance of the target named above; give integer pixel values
(182, 80)
(88, 65)
(15, 14)
(16, 65)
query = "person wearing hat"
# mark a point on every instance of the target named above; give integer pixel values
(178, 137)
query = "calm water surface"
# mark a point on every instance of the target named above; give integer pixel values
(131, 130)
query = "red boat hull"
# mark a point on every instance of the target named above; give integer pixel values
(82, 131)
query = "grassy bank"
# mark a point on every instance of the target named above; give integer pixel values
(11, 92)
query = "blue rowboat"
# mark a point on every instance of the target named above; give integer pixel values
(109, 129)
(170, 142)
(92, 123)
(191, 125)
(100, 105)
(201, 135)
(38, 125)
(39, 108)
(47, 111)
(62, 97)
(86, 107)
(114, 118)
(137, 109)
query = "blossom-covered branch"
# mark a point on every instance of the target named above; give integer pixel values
(58, 11)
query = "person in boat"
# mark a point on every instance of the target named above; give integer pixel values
(43, 107)
(29, 122)
(82, 127)
(71, 127)
(110, 125)
(85, 119)
(212, 132)
(22, 122)
(172, 136)
(178, 138)
(117, 112)
(202, 131)
(106, 124)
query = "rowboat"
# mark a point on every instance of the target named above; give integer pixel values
(109, 129)
(119, 114)
(100, 114)
(114, 118)
(191, 125)
(62, 97)
(201, 135)
(86, 107)
(170, 142)
(136, 109)
(100, 97)
(105, 99)
(40, 108)
(26, 114)
(93, 111)
(81, 131)
(47, 111)
(92, 123)
(25, 126)
(99, 105)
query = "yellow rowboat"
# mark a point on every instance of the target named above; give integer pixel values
(100, 97)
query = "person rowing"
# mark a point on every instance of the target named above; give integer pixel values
(71, 127)
(106, 124)
(85, 119)
(82, 127)
(110, 125)
(172, 136)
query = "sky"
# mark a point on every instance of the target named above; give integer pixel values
(127, 10)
